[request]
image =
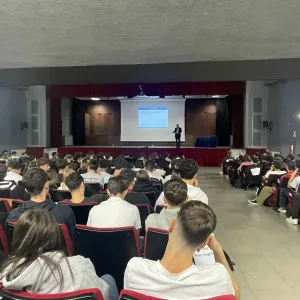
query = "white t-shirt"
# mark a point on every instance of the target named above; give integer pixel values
(151, 278)
(114, 212)
(104, 178)
(274, 173)
(90, 177)
(194, 193)
(156, 176)
(13, 176)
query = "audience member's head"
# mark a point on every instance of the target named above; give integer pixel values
(139, 164)
(116, 187)
(54, 155)
(291, 166)
(3, 172)
(35, 182)
(269, 158)
(61, 164)
(32, 165)
(150, 166)
(255, 160)
(84, 164)
(52, 177)
(75, 183)
(247, 158)
(175, 164)
(92, 166)
(128, 177)
(291, 157)
(175, 192)
(9, 164)
(69, 158)
(188, 169)
(119, 163)
(67, 173)
(46, 155)
(36, 233)
(269, 153)
(142, 176)
(16, 167)
(104, 164)
(277, 164)
(241, 157)
(74, 165)
(195, 223)
(77, 157)
(43, 163)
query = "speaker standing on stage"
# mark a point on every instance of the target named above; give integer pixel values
(177, 132)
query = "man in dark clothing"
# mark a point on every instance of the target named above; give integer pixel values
(36, 183)
(133, 198)
(177, 132)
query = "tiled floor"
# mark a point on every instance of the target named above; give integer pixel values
(265, 248)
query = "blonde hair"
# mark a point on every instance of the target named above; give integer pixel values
(84, 164)
(65, 175)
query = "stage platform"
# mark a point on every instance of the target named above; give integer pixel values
(209, 157)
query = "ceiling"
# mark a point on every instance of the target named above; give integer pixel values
(53, 33)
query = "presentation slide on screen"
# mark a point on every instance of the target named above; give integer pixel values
(153, 117)
(149, 120)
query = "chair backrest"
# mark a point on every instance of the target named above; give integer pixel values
(144, 211)
(4, 193)
(292, 194)
(87, 294)
(66, 239)
(156, 241)
(92, 189)
(151, 197)
(109, 249)
(274, 179)
(81, 211)
(4, 205)
(59, 195)
(159, 208)
(284, 182)
(131, 295)
(3, 241)
(17, 202)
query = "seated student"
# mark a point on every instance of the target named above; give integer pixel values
(139, 165)
(63, 185)
(143, 184)
(191, 230)
(247, 161)
(267, 191)
(38, 264)
(174, 166)
(52, 179)
(284, 192)
(276, 169)
(62, 166)
(35, 182)
(119, 164)
(103, 165)
(43, 163)
(75, 185)
(69, 158)
(115, 212)
(294, 181)
(14, 173)
(3, 183)
(150, 168)
(92, 176)
(188, 170)
(133, 198)
(84, 165)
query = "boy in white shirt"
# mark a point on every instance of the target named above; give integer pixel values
(92, 176)
(176, 276)
(150, 167)
(14, 173)
(188, 170)
(115, 212)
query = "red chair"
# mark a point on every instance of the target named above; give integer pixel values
(156, 241)
(4, 205)
(66, 239)
(17, 202)
(131, 295)
(292, 194)
(3, 241)
(87, 294)
(144, 211)
(109, 249)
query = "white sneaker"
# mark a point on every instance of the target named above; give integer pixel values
(253, 202)
(292, 221)
(282, 210)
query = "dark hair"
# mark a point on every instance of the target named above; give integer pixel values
(142, 176)
(175, 163)
(139, 164)
(188, 169)
(52, 177)
(291, 165)
(13, 152)
(61, 163)
(197, 221)
(255, 160)
(54, 153)
(76, 156)
(241, 157)
(291, 156)
(16, 165)
(175, 191)
(32, 164)
(247, 157)
(93, 164)
(116, 185)
(3, 172)
(104, 163)
(150, 165)
(297, 163)
(34, 181)
(36, 233)
(120, 163)
(73, 181)
(128, 176)
(277, 164)
(46, 156)
(74, 165)
(42, 162)
(269, 158)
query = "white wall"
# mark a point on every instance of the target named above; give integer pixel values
(284, 111)
(254, 89)
(12, 113)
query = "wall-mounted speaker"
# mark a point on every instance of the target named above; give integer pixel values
(265, 124)
(24, 126)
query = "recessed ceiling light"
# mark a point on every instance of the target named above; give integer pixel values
(95, 99)
(215, 96)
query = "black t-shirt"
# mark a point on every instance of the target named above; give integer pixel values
(138, 198)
